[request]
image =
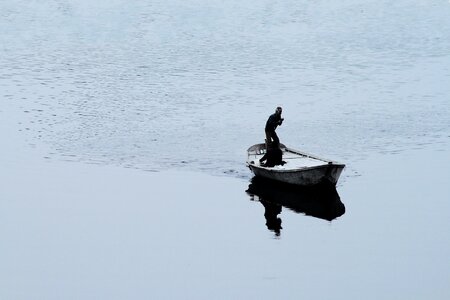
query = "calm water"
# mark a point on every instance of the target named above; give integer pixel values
(77, 231)
(189, 84)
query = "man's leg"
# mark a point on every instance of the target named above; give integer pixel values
(275, 138)
(263, 158)
(268, 139)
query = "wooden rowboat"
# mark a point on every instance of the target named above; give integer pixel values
(300, 168)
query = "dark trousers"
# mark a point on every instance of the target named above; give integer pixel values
(271, 136)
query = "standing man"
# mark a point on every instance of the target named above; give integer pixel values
(272, 123)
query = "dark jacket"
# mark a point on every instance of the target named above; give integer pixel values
(273, 121)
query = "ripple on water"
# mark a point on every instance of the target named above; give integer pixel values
(355, 78)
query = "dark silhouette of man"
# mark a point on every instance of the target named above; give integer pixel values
(272, 124)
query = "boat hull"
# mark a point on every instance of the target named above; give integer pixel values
(309, 176)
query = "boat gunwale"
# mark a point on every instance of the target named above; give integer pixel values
(271, 169)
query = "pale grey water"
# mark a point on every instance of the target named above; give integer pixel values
(189, 84)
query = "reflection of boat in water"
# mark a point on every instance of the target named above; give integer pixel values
(320, 201)
(300, 168)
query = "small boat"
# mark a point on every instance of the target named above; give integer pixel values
(300, 168)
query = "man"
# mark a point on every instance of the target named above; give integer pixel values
(271, 124)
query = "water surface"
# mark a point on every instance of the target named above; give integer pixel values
(94, 92)
(189, 84)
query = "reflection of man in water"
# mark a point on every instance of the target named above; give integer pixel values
(272, 124)
(271, 213)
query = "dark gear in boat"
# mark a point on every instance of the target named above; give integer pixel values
(273, 156)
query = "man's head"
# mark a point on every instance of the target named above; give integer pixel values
(279, 110)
